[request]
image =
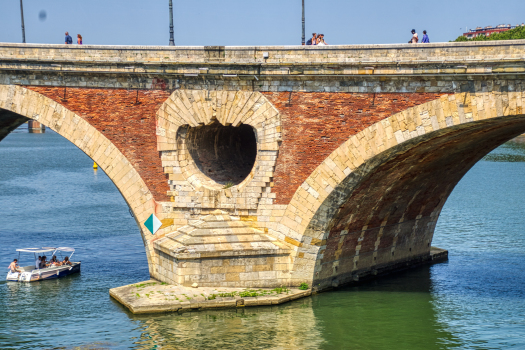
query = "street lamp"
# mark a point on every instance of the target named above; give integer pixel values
(303, 24)
(23, 29)
(172, 40)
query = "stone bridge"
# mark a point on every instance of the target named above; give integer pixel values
(271, 166)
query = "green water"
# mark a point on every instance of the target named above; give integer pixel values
(50, 195)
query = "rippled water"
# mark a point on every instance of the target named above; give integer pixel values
(50, 195)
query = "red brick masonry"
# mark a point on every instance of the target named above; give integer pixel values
(126, 118)
(316, 123)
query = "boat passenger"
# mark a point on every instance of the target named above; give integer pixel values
(53, 261)
(43, 264)
(38, 262)
(14, 266)
(66, 261)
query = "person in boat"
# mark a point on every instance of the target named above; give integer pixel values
(43, 264)
(66, 261)
(53, 261)
(14, 266)
(38, 262)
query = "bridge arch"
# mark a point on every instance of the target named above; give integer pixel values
(18, 104)
(375, 201)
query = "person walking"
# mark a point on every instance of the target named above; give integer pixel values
(312, 40)
(425, 38)
(415, 38)
(79, 39)
(69, 39)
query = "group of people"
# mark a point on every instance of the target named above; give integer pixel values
(415, 38)
(316, 40)
(41, 263)
(69, 39)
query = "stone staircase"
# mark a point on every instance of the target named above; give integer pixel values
(223, 250)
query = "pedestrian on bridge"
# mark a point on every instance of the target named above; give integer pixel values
(320, 40)
(312, 40)
(69, 39)
(79, 39)
(425, 38)
(415, 38)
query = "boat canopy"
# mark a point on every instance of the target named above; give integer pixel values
(62, 249)
(46, 250)
(66, 249)
(36, 250)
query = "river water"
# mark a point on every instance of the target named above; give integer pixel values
(50, 196)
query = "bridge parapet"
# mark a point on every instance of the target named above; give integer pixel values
(351, 54)
(245, 68)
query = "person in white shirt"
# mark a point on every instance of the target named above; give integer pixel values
(415, 38)
(38, 262)
(321, 41)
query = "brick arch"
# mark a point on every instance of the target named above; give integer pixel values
(195, 108)
(393, 161)
(20, 104)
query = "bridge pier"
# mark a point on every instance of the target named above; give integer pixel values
(276, 166)
(35, 127)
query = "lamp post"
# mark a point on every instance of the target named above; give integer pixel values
(302, 41)
(172, 39)
(23, 29)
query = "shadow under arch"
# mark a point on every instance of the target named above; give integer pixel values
(379, 206)
(18, 105)
(386, 212)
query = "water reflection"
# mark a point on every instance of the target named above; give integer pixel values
(292, 326)
(396, 312)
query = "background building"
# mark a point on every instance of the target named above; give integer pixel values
(488, 30)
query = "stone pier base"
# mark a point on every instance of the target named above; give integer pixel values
(154, 297)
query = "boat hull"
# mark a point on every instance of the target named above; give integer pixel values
(43, 274)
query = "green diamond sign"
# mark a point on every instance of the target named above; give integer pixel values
(153, 224)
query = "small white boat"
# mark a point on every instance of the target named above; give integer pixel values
(32, 273)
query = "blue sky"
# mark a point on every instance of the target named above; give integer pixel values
(250, 22)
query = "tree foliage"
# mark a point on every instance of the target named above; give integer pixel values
(512, 34)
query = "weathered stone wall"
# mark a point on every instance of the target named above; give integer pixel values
(243, 271)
